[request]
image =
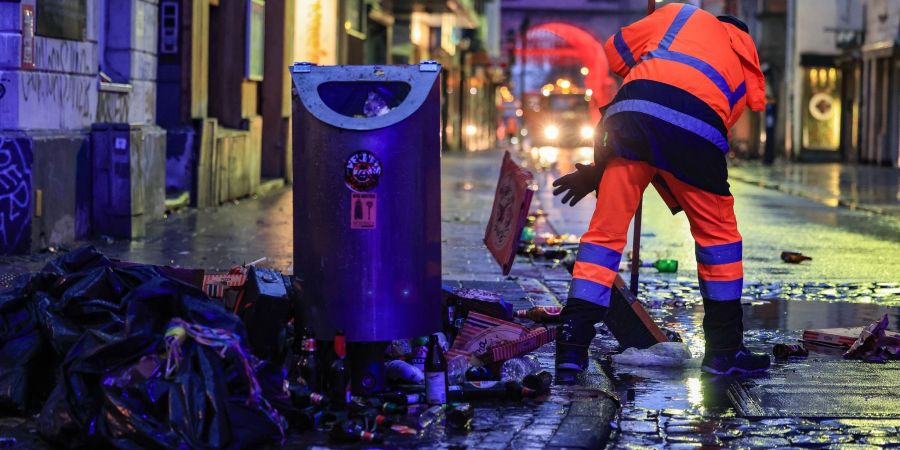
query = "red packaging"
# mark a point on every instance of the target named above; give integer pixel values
(534, 340)
(837, 337)
(512, 199)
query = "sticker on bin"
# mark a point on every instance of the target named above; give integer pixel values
(363, 211)
(362, 171)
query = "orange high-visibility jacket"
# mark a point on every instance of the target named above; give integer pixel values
(688, 48)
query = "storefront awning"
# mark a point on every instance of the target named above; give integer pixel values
(462, 10)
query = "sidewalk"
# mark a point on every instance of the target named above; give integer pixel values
(572, 416)
(866, 188)
(660, 408)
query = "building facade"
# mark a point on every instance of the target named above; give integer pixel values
(65, 67)
(837, 90)
(112, 111)
(878, 138)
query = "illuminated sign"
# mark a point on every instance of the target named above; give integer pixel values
(821, 120)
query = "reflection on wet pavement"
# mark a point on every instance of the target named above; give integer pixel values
(851, 282)
(846, 245)
(871, 188)
(669, 406)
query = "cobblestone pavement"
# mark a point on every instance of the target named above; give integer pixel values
(571, 416)
(851, 282)
(681, 408)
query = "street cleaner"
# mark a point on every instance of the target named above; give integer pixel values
(688, 76)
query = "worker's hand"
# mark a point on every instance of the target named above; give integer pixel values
(577, 184)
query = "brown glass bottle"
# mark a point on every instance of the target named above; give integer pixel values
(308, 367)
(541, 314)
(339, 374)
(436, 381)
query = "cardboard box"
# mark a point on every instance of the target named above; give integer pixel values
(532, 341)
(837, 337)
(493, 341)
(512, 199)
(215, 285)
(481, 332)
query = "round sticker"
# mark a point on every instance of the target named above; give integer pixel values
(362, 171)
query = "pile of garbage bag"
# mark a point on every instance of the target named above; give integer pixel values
(132, 356)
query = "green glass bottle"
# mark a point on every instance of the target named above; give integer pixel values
(663, 265)
(528, 233)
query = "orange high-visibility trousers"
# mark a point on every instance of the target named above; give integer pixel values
(711, 217)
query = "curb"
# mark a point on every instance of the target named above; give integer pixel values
(593, 407)
(587, 423)
(848, 204)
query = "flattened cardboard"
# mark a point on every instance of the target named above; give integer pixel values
(512, 199)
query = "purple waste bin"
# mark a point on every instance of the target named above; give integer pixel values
(367, 230)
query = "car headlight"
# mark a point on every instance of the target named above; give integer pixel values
(587, 132)
(548, 155)
(551, 132)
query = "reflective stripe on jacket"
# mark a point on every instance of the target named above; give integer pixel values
(689, 49)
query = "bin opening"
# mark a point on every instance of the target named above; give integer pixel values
(363, 99)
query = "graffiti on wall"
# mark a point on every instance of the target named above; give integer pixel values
(112, 107)
(15, 195)
(53, 100)
(74, 92)
(64, 56)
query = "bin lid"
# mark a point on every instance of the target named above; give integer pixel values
(308, 79)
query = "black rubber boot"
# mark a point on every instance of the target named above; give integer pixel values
(724, 331)
(573, 338)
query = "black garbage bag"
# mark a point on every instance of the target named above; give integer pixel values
(94, 299)
(26, 361)
(31, 328)
(79, 260)
(210, 398)
(81, 338)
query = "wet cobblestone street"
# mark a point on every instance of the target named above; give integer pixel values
(683, 408)
(844, 286)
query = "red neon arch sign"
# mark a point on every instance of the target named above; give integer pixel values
(583, 46)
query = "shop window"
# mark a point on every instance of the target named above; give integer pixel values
(62, 19)
(256, 39)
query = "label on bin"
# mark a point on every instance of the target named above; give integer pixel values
(363, 209)
(362, 171)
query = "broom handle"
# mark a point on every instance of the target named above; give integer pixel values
(636, 239)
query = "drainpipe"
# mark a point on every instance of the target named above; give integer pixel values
(101, 35)
(792, 127)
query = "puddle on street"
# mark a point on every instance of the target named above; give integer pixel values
(765, 322)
